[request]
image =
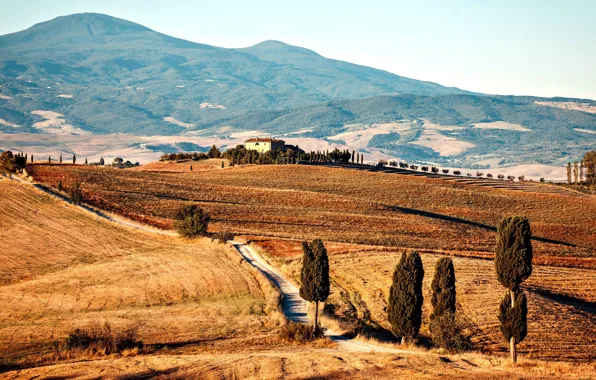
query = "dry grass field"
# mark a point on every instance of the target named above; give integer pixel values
(205, 313)
(562, 311)
(62, 268)
(346, 206)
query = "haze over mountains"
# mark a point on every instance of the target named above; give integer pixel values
(92, 73)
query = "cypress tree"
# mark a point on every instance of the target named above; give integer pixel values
(353, 154)
(513, 263)
(569, 172)
(49, 159)
(443, 288)
(405, 297)
(74, 159)
(315, 275)
(31, 158)
(60, 158)
(575, 172)
(513, 314)
(190, 168)
(86, 161)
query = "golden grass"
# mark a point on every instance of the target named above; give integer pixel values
(304, 363)
(63, 268)
(198, 299)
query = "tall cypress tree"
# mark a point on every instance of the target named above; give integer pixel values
(513, 263)
(405, 297)
(315, 275)
(443, 288)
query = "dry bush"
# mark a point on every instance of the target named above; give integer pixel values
(223, 236)
(300, 333)
(102, 338)
(450, 333)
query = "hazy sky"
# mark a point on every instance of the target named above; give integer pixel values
(545, 48)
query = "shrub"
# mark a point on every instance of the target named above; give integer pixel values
(191, 221)
(102, 338)
(449, 333)
(75, 193)
(223, 236)
(300, 333)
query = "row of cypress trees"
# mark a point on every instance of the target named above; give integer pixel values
(513, 264)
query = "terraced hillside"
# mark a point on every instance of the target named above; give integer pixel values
(346, 206)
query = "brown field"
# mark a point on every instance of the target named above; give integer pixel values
(63, 268)
(346, 205)
(180, 167)
(562, 311)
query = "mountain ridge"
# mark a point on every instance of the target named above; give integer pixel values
(108, 75)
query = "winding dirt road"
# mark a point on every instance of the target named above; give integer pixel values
(296, 309)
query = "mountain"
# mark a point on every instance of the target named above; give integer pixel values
(92, 73)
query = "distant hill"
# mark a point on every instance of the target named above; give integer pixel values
(92, 73)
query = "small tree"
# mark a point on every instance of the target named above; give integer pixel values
(60, 185)
(214, 152)
(86, 163)
(513, 263)
(74, 159)
(315, 275)
(75, 193)
(61, 158)
(569, 172)
(190, 168)
(222, 164)
(191, 221)
(405, 297)
(575, 172)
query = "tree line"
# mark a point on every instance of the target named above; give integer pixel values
(583, 172)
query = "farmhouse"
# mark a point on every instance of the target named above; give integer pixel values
(264, 144)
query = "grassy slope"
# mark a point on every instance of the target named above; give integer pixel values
(63, 268)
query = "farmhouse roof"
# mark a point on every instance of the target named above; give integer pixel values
(267, 139)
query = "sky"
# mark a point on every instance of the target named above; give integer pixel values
(543, 48)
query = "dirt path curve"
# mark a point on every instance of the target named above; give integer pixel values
(296, 308)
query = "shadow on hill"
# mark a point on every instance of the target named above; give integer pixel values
(453, 219)
(583, 305)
